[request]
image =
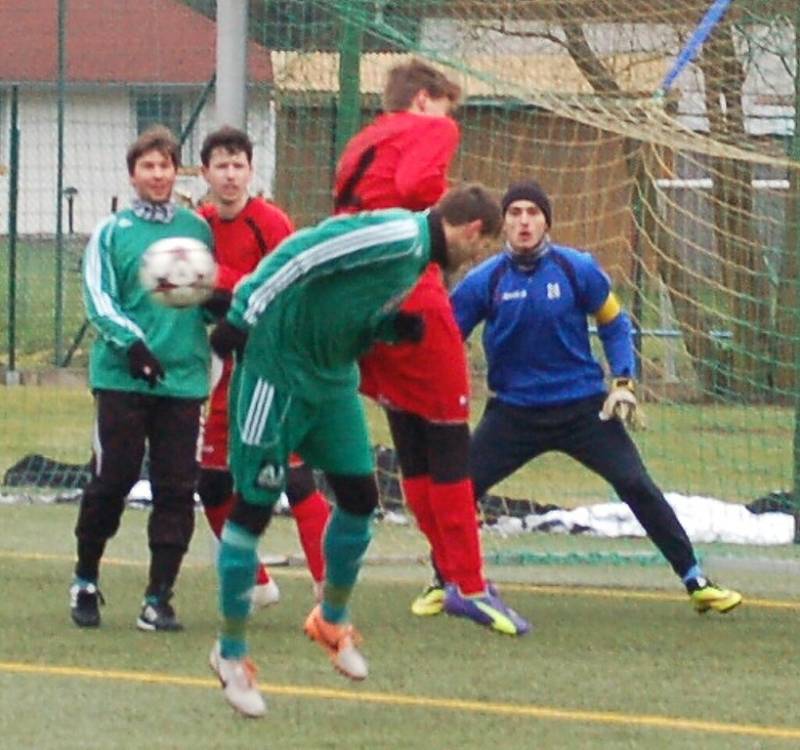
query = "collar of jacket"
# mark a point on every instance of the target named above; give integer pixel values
(528, 262)
(438, 241)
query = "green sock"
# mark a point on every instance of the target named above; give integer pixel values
(236, 566)
(346, 540)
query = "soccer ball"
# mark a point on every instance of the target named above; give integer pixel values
(178, 271)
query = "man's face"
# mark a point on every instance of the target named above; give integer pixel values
(525, 225)
(228, 176)
(154, 176)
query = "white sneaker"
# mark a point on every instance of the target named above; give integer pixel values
(340, 641)
(238, 680)
(265, 594)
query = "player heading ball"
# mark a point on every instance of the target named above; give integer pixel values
(323, 297)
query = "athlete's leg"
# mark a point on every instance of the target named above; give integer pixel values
(118, 449)
(216, 484)
(172, 436)
(607, 449)
(452, 504)
(259, 417)
(506, 438)
(409, 434)
(311, 511)
(338, 443)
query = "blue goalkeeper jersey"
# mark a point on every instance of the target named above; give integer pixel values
(536, 332)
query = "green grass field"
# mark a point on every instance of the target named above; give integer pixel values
(619, 661)
(729, 452)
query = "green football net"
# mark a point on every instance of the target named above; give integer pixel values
(689, 197)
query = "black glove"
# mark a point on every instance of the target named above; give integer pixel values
(409, 327)
(142, 364)
(218, 303)
(227, 338)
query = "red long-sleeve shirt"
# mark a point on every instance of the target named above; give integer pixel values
(241, 242)
(398, 161)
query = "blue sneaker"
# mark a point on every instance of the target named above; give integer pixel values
(486, 609)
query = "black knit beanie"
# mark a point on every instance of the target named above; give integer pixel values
(528, 191)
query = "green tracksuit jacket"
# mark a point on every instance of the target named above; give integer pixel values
(122, 312)
(325, 295)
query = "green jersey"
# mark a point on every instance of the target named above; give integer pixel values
(123, 312)
(325, 295)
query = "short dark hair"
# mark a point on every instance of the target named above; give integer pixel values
(231, 139)
(406, 80)
(464, 204)
(155, 138)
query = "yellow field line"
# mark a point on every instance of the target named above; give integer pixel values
(396, 699)
(531, 588)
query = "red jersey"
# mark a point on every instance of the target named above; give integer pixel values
(239, 245)
(241, 242)
(398, 161)
(401, 161)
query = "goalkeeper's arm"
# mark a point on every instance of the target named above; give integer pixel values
(614, 328)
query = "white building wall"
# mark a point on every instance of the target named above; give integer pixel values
(97, 130)
(99, 127)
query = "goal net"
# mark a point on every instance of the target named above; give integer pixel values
(688, 194)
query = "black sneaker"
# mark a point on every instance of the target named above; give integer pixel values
(158, 615)
(84, 604)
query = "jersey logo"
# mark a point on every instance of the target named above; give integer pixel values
(517, 294)
(124, 223)
(271, 477)
(553, 291)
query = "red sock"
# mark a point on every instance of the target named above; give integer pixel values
(453, 508)
(217, 515)
(311, 515)
(417, 494)
(262, 574)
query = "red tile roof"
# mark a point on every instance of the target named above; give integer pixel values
(114, 41)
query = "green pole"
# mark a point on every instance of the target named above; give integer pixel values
(59, 290)
(793, 207)
(13, 198)
(348, 111)
(198, 108)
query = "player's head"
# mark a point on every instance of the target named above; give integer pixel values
(417, 87)
(471, 219)
(153, 160)
(227, 159)
(527, 215)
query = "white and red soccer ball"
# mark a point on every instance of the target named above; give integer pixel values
(178, 271)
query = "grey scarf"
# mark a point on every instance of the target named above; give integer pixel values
(527, 261)
(159, 212)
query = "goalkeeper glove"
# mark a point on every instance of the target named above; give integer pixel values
(408, 327)
(621, 404)
(143, 365)
(227, 338)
